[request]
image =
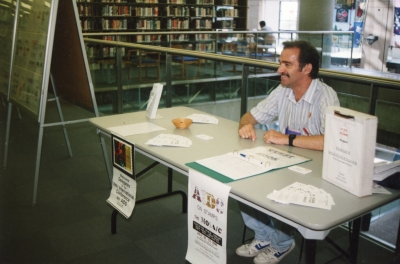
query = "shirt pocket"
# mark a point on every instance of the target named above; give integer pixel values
(311, 130)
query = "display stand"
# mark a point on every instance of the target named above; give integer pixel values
(49, 46)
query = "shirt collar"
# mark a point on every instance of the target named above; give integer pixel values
(308, 96)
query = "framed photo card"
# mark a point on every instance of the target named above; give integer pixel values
(123, 155)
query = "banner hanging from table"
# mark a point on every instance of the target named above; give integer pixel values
(123, 191)
(207, 219)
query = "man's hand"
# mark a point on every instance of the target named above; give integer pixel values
(247, 131)
(275, 137)
(246, 126)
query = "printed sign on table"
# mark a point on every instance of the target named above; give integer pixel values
(123, 192)
(207, 219)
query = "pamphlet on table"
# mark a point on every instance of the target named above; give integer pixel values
(154, 100)
(134, 129)
(303, 194)
(170, 140)
(201, 118)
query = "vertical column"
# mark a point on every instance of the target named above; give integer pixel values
(317, 17)
(379, 23)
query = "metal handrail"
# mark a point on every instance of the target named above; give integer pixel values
(385, 80)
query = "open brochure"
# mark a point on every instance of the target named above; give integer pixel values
(383, 168)
(245, 163)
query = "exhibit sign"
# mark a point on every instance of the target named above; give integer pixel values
(123, 191)
(207, 219)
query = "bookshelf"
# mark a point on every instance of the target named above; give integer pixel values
(160, 16)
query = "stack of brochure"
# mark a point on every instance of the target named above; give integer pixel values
(201, 118)
(384, 168)
(303, 194)
(170, 140)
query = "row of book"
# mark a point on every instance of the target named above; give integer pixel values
(148, 24)
(203, 23)
(206, 47)
(146, 11)
(148, 38)
(203, 37)
(177, 23)
(116, 24)
(179, 37)
(228, 13)
(177, 11)
(115, 10)
(204, 11)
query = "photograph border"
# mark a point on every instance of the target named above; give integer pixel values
(131, 170)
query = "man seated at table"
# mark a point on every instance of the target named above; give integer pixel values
(265, 38)
(299, 104)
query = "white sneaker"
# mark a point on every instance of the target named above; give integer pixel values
(252, 249)
(272, 255)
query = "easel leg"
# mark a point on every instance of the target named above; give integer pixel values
(105, 156)
(61, 116)
(7, 134)
(38, 155)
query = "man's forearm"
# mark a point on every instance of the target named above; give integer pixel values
(309, 142)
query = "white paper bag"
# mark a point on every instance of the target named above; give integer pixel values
(349, 149)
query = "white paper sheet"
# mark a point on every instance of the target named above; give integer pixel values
(170, 140)
(134, 129)
(303, 194)
(201, 118)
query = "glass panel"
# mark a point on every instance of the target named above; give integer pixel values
(7, 15)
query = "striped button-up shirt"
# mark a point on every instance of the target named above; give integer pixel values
(307, 116)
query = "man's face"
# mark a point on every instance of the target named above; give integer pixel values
(289, 68)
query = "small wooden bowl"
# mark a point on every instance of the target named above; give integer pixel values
(182, 123)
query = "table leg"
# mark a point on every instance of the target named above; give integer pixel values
(311, 250)
(354, 237)
(114, 221)
(396, 258)
(167, 194)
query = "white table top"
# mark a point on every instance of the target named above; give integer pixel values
(312, 223)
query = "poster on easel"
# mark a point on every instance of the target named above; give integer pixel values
(123, 191)
(33, 45)
(207, 219)
(7, 20)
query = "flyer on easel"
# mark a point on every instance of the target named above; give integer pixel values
(154, 101)
(207, 219)
(123, 191)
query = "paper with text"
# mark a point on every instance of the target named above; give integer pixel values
(245, 163)
(134, 129)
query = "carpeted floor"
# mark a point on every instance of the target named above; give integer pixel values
(71, 220)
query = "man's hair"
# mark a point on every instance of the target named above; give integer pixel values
(262, 24)
(308, 54)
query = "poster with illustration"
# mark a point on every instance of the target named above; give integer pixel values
(396, 27)
(342, 15)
